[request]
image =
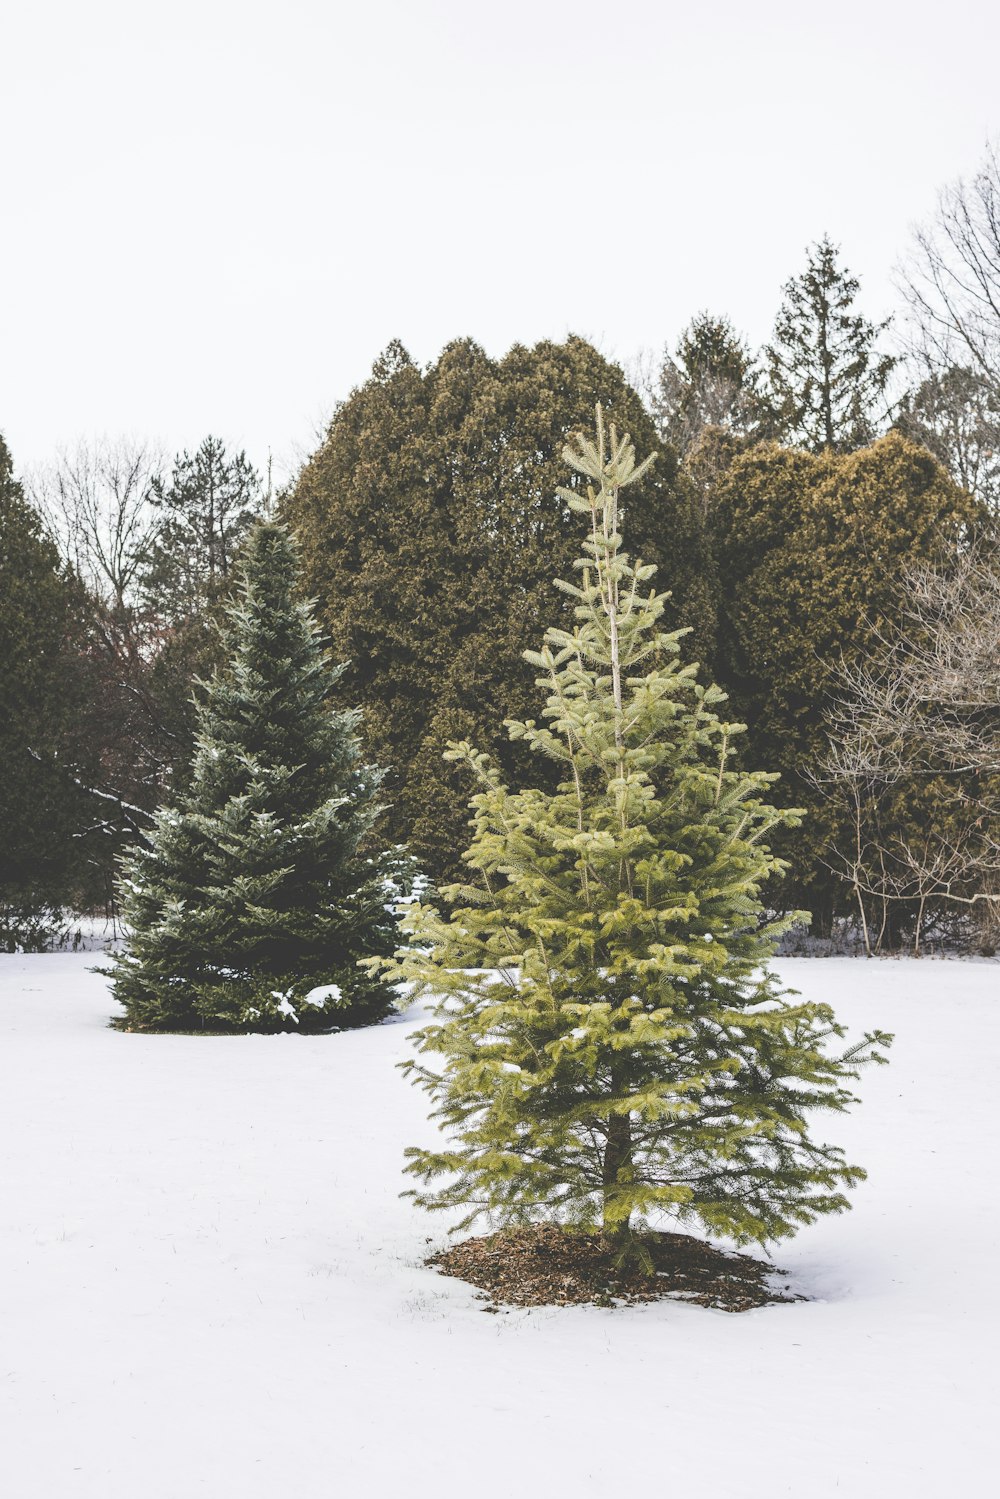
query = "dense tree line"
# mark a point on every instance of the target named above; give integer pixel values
(810, 549)
(114, 569)
(797, 492)
(431, 529)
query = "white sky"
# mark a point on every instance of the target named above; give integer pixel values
(214, 215)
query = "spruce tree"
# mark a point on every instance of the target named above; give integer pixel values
(826, 379)
(256, 897)
(612, 1047)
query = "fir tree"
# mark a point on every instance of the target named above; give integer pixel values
(826, 379)
(255, 900)
(613, 1048)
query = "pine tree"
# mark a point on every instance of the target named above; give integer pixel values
(710, 383)
(206, 509)
(613, 1048)
(826, 379)
(256, 899)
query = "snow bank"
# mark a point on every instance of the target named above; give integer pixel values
(210, 1285)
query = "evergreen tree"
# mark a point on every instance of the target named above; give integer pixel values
(206, 509)
(43, 811)
(826, 379)
(612, 1046)
(810, 550)
(256, 897)
(956, 413)
(430, 530)
(140, 658)
(710, 383)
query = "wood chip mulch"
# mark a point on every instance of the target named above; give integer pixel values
(548, 1266)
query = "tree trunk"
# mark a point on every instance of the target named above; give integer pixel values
(617, 1154)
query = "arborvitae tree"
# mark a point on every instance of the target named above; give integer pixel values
(810, 551)
(256, 898)
(710, 383)
(826, 380)
(206, 509)
(430, 529)
(43, 810)
(613, 1047)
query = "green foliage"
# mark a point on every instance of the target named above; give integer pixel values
(206, 509)
(826, 380)
(257, 888)
(612, 1047)
(810, 550)
(955, 412)
(711, 383)
(42, 810)
(430, 529)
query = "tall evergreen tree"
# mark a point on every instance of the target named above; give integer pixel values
(257, 896)
(612, 1046)
(433, 491)
(710, 383)
(826, 380)
(43, 811)
(206, 508)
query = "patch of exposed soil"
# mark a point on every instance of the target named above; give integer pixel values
(547, 1266)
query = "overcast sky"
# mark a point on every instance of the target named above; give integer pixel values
(214, 215)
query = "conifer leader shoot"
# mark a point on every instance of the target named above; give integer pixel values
(612, 1047)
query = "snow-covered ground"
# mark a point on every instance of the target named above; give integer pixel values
(209, 1285)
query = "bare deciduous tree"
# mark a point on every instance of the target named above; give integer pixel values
(951, 279)
(96, 499)
(915, 750)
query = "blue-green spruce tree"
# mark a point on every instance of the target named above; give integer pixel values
(259, 891)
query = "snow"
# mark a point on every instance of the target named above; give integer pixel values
(210, 1285)
(284, 1005)
(324, 994)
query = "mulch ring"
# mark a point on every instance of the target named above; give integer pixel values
(546, 1266)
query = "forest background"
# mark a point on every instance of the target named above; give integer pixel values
(822, 509)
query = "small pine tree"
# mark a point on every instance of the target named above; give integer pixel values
(826, 380)
(613, 1048)
(254, 902)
